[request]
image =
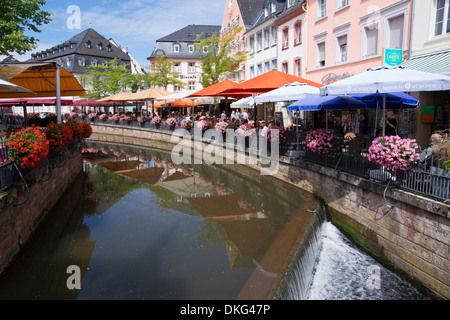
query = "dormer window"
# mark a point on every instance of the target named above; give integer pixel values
(100, 46)
(273, 6)
(82, 62)
(191, 48)
(176, 48)
(109, 48)
(68, 62)
(94, 63)
(88, 44)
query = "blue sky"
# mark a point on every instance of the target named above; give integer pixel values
(134, 24)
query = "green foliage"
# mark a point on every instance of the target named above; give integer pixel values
(162, 73)
(107, 79)
(217, 59)
(17, 17)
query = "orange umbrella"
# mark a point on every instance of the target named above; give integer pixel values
(183, 103)
(266, 82)
(213, 90)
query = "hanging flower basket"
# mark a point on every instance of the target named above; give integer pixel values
(319, 141)
(186, 124)
(58, 135)
(393, 153)
(27, 147)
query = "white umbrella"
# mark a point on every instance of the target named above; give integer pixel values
(243, 103)
(289, 92)
(387, 79)
(9, 86)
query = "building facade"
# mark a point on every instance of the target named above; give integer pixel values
(87, 48)
(430, 52)
(345, 37)
(241, 14)
(180, 47)
(292, 35)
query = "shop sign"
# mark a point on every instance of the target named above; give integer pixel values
(393, 57)
(190, 77)
(333, 77)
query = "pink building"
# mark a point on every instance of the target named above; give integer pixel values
(345, 37)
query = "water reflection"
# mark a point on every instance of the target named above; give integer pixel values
(141, 227)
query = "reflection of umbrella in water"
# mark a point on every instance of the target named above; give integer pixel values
(130, 169)
(183, 185)
(121, 165)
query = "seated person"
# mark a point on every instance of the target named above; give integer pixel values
(427, 153)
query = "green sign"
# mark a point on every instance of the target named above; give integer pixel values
(393, 57)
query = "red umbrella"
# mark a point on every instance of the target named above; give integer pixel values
(266, 82)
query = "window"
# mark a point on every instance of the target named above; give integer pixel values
(273, 35)
(321, 9)
(298, 67)
(341, 46)
(370, 41)
(68, 62)
(320, 54)
(266, 12)
(191, 48)
(258, 41)
(252, 72)
(94, 63)
(266, 66)
(177, 67)
(242, 42)
(191, 67)
(273, 6)
(442, 18)
(395, 32)
(82, 62)
(176, 48)
(191, 85)
(266, 38)
(285, 38)
(251, 44)
(289, 3)
(88, 44)
(242, 77)
(205, 49)
(274, 64)
(100, 46)
(298, 33)
(109, 48)
(284, 67)
(176, 88)
(341, 4)
(259, 69)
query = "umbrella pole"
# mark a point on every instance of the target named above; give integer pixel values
(58, 93)
(376, 121)
(384, 114)
(296, 126)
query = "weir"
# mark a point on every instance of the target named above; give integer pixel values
(297, 280)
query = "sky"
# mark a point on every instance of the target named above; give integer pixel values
(133, 24)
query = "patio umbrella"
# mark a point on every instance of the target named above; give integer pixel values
(316, 102)
(243, 103)
(289, 92)
(387, 79)
(213, 90)
(9, 86)
(149, 95)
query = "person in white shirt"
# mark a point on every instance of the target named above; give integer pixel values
(233, 115)
(244, 116)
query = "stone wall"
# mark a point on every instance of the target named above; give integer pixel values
(406, 232)
(21, 212)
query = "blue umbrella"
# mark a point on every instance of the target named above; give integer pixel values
(313, 102)
(394, 100)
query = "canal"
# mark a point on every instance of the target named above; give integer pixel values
(140, 227)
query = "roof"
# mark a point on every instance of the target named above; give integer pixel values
(250, 10)
(298, 4)
(190, 33)
(280, 6)
(78, 45)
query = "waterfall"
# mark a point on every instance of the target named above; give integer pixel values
(298, 277)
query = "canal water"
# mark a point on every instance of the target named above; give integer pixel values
(137, 226)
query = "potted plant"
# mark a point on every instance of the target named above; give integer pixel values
(203, 124)
(221, 126)
(27, 147)
(319, 141)
(58, 135)
(186, 124)
(393, 153)
(172, 122)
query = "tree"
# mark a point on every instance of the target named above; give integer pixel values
(106, 79)
(16, 17)
(162, 74)
(218, 60)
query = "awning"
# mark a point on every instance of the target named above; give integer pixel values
(435, 63)
(34, 101)
(39, 78)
